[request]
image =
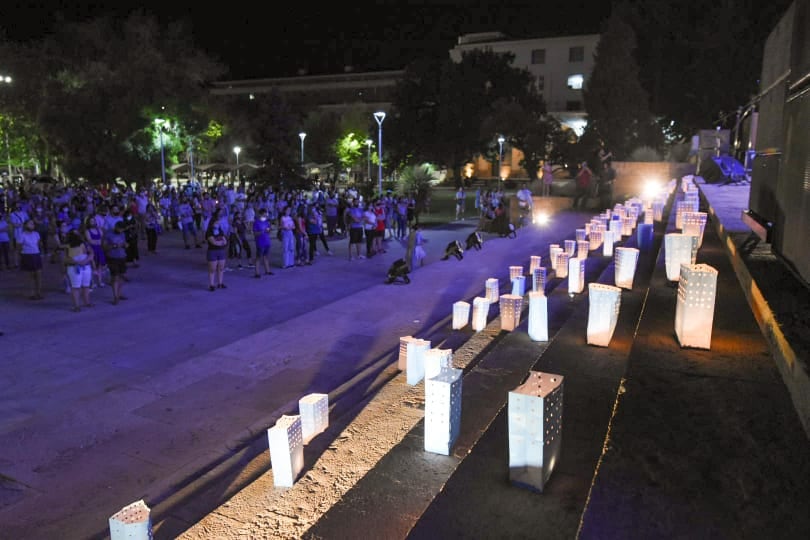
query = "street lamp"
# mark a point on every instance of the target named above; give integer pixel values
(369, 142)
(379, 116)
(501, 140)
(302, 136)
(7, 80)
(236, 150)
(159, 123)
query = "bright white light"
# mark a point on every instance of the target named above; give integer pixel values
(651, 189)
(575, 81)
(541, 218)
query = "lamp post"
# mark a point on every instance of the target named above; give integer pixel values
(159, 123)
(501, 140)
(191, 158)
(369, 142)
(5, 79)
(302, 136)
(236, 150)
(379, 116)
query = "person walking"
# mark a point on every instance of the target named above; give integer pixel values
(152, 227)
(217, 242)
(115, 250)
(460, 201)
(315, 232)
(583, 186)
(94, 237)
(79, 269)
(261, 235)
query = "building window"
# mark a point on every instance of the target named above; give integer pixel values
(576, 54)
(538, 56)
(575, 81)
(541, 82)
(573, 105)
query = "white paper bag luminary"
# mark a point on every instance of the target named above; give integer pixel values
(286, 450)
(415, 369)
(604, 302)
(576, 275)
(535, 410)
(538, 316)
(553, 252)
(694, 223)
(534, 262)
(511, 306)
(492, 290)
(658, 210)
(442, 410)
(515, 271)
(435, 360)
(314, 412)
(539, 277)
(678, 249)
(625, 259)
(562, 265)
(595, 239)
(583, 246)
(571, 248)
(628, 224)
(519, 285)
(480, 313)
(607, 243)
(461, 314)
(132, 522)
(579, 235)
(694, 311)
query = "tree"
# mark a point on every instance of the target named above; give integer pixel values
(418, 181)
(440, 105)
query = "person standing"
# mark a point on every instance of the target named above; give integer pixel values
(460, 200)
(525, 203)
(217, 251)
(315, 232)
(131, 234)
(94, 237)
(332, 204)
(369, 229)
(548, 179)
(583, 186)
(79, 268)
(261, 234)
(185, 218)
(151, 221)
(115, 250)
(30, 248)
(379, 230)
(286, 228)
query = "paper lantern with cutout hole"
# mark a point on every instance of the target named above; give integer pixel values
(480, 313)
(443, 410)
(694, 311)
(678, 249)
(435, 360)
(493, 290)
(538, 316)
(576, 275)
(511, 306)
(604, 302)
(132, 522)
(539, 277)
(626, 259)
(286, 450)
(314, 412)
(461, 314)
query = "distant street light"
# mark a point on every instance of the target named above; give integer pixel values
(379, 116)
(236, 150)
(369, 142)
(159, 122)
(5, 79)
(501, 140)
(302, 136)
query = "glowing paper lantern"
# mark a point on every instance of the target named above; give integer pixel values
(515, 271)
(626, 259)
(461, 314)
(694, 311)
(554, 251)
(480, 313)
(132, 522)
(615, 225)
(579, 235)
(595, 239)
(644, 236)
(492, 290)
(603, 313)
(534, 262)
(511, 305)
(607, 243)
(286, 450)
(658, 210)
(535, 411)
(628, 224)
(571, 248)
(519, 285)
(442, 410)
(576, 275)
(648, 215)
(538, 316)
(694, 223)
(582, 249)
(678, 249)
(435, 360)
(562, 265)
(314, 412)
(539, 280)
(415, 370)
(402, 359)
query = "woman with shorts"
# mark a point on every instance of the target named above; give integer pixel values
(115, 249)
(217, 252)
(30, 246)
(78, 268)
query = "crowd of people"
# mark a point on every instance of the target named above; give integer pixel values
(96, 234)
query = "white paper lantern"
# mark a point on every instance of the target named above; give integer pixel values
(595, 239)
(678, 249)
(694, 311)
(436, 359)
(576, 275)
(511, 305)
(515, 271)
(286, 450)
(554, 251)
(535, 410)
(539, 277)
(582, 249)
(415, 370)
(648, 215)
(132, 522)
(694, 223)
(480, 313)
(571, 248)
(519, 285)
(587, 229)
(626, 259)
(443, 410)
(314, 412)
(534, 262)
(492, 290)
(607, 243)
(604, 302)
(628, 224)
(538, 316)
(658, 210)
(579, 235)
(562, 265)
(615, 226)
(461, 314)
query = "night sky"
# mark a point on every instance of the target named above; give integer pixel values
(280, 38)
